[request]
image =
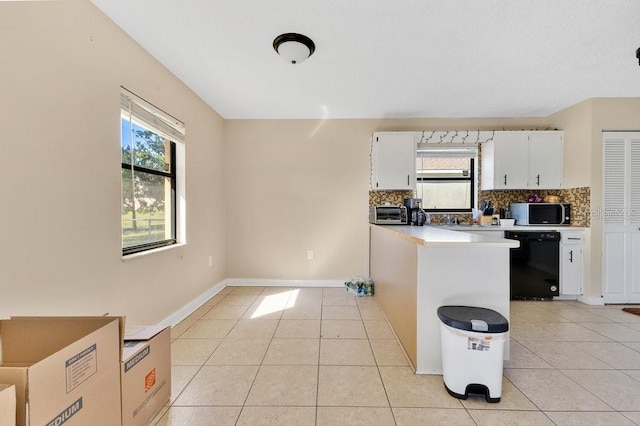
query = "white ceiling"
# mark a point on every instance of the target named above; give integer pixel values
(400, 58)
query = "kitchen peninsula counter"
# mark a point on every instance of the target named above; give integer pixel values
(417, 269)
(435, 236)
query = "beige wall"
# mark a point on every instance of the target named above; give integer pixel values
(60, 254)
(293, 186)
(298, 185)
(575, 121)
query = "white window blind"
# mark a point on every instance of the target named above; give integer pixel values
(448, 151)
(151, 116)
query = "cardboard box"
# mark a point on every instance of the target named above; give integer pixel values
(146, 373)
(66, 370)
(7, 405)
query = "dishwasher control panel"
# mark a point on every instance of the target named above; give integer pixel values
(533, 235)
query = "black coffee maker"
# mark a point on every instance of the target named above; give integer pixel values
(415, 214)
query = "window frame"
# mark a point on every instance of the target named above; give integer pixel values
(172, 175)
(148, 117)
(471, 179)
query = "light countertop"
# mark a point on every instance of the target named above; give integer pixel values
(441, 236)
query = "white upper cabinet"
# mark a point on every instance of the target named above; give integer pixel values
(393, 161)
(523, 160)
(504, 161)
(545, 160)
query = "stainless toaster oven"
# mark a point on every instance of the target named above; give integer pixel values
(388, 215)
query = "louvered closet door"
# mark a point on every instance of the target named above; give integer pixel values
(621, 217)
(614, 239)
(634, 220)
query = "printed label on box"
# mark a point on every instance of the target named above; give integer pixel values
(80, 367)
(149, 380)
(475, 344)
(68, 412)
(137, 358)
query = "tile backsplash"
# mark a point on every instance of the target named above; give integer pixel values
(377, 198)
(579, 198)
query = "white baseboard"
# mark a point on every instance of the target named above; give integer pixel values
(191, 307)
(591, 300)
(257, 282)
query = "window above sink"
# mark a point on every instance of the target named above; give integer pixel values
(446, 178)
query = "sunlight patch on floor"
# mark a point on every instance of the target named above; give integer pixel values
(276, 302)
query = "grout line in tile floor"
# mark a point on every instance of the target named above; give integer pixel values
(551, 378)
(315, 414)
(373, 353)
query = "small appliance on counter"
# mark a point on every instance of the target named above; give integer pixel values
(388, 214)
(415, 214)
(541, 213)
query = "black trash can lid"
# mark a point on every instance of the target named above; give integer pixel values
(471, 318)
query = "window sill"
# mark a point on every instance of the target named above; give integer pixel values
(152, 251)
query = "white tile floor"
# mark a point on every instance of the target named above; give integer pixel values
(319, 356)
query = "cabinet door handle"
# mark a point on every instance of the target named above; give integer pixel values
(571, 256)
(538, 177)
(505, 179)
(407, 180)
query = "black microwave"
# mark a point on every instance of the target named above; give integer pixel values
(541, 213)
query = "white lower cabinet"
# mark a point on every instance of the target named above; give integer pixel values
(571, 262)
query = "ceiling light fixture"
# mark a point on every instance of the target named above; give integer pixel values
(293, 47)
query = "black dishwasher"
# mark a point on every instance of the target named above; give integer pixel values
(535, 265)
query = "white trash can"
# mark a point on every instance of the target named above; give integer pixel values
(472, 351)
